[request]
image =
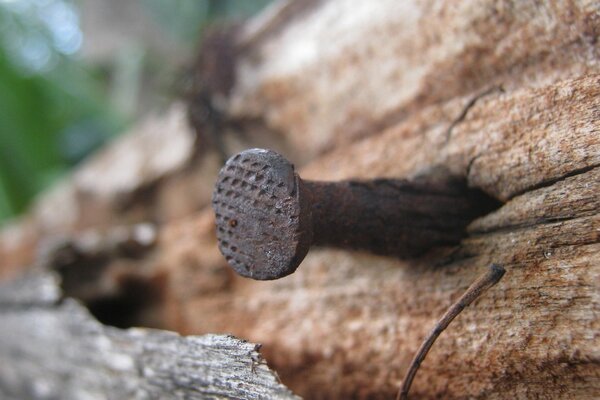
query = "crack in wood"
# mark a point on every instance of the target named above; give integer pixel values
(550, 182)
(470, 104)
(530, 225)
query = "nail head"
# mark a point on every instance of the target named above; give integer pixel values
(262, 215)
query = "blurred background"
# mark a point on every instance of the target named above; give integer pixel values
(75, 73)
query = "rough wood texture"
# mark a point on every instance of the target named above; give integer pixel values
(505, 95)
(347, 324)
(58, 351)
(341, 71)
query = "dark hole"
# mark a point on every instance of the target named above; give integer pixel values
(130, 306)
(122, 299)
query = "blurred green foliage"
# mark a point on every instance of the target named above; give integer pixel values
(186, 18)
(54, 108)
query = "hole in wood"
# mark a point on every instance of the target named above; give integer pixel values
(108, 280)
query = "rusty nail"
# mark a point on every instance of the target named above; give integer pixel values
(267, 217)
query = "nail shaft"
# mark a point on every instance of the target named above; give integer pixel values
(389, 216)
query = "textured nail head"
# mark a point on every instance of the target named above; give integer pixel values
(262, 216)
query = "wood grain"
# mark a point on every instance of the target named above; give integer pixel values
(503, 94)
(57, 350)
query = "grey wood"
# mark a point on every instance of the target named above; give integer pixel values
(52, 348)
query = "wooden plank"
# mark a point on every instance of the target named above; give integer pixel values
(343, 71)
(536, 325)
(355, 320)
(503, 94)
(54, 348)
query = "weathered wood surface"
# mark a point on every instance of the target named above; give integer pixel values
(348, 323)
(504, 94)
(341, 71)
(52, 348)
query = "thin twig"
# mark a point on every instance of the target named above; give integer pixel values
(477, 288)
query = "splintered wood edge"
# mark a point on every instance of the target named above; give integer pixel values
(54, 348)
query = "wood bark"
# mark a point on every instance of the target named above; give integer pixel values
(505, 95)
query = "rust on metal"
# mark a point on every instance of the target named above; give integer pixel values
(267, 217)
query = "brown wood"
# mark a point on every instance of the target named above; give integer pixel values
(505, 95)
(485, 281)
